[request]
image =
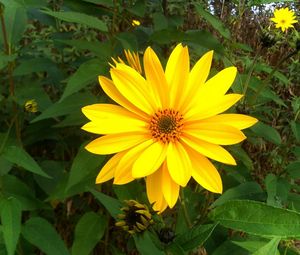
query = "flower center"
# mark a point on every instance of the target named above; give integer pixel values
(282, 21)
(166, 125)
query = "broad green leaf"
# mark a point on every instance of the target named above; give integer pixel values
(145, 244)
(34, 65)
(112, 205)
(11, 186)
(195, 236)
(85, 165)
(5, 166)
(43, 235)
(250, 245)
(79, 18)
(15, 19)
(257, 218)
(293, 169)
(19, 156)
(85, 74)
(277, 190)
(160, 21)
(71, 104)
(295, 126)
(88, 232)
(270, 248)
(265, 68)
(107, 3)
(247, 190)
(229, 247)
(128, 41)
(214, 21)
(11, 223)
(267, 132)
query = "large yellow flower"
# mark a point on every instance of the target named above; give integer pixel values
(284, 18)
(167, 125)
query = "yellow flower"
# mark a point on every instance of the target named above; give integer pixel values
(135, 23)
(167, 125)
(31, 106)
(133, 60)
(284, 18)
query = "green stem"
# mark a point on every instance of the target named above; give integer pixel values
(269, 77)
(185, 212)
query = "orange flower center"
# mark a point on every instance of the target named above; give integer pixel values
(166, 125)
(282, 21)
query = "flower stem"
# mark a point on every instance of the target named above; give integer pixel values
(185, 212)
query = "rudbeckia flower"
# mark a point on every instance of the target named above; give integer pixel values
(167, 125)
(284, 18)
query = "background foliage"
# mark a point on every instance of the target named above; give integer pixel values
(52, 52)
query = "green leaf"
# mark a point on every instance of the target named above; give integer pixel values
(195, 236)
(267, 132)
(277, 190)
(258, 218)
(88, 232)
(15, 19)
(293, 169)
(11, 223)
(85, 165)
(79, 18)
(295, 126)
(214, 21)
(85, 74)
(19, 156)
(43, 235)
(71, 104)
(112, 205)
(247, 190)
(270, 248)
(34, 65)
(145, 245)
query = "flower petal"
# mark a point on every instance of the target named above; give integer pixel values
(113, 143)
(179, 163)
(239, 121)
(110, 89)
(108, 170)
(133, 87)
(123, 172)
(156, 77)
(216, 133)
(169, 187)
(154, 191)
(197, 78)
(149, 160)
(177, 74)
(210, 150)
(213, 107)
(205, 173)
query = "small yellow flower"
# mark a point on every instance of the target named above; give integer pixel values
(284, 18)
(167, 124)
(133, 60)
(135, 23)
(135, 217)
(31, 106)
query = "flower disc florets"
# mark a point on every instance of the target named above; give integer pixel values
(166, 125)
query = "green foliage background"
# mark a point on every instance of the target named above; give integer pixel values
(53, 51)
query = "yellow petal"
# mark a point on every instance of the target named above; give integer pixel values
(110, 89)
(239, 121)
(209, 150)
(154, 191)
(179, 163)
(205, 173)
(149, 160)
(212, 107)
(108, 170)
(177, 76)
(134, 87)
(216, 133)
(114, 143)
(197, 77)
(169, 187)
(219, 84)
(156, 77)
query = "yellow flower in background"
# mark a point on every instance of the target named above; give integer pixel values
(284, 18)
(31, 106)
(135, 23)
(167, 125)
(133, 60)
